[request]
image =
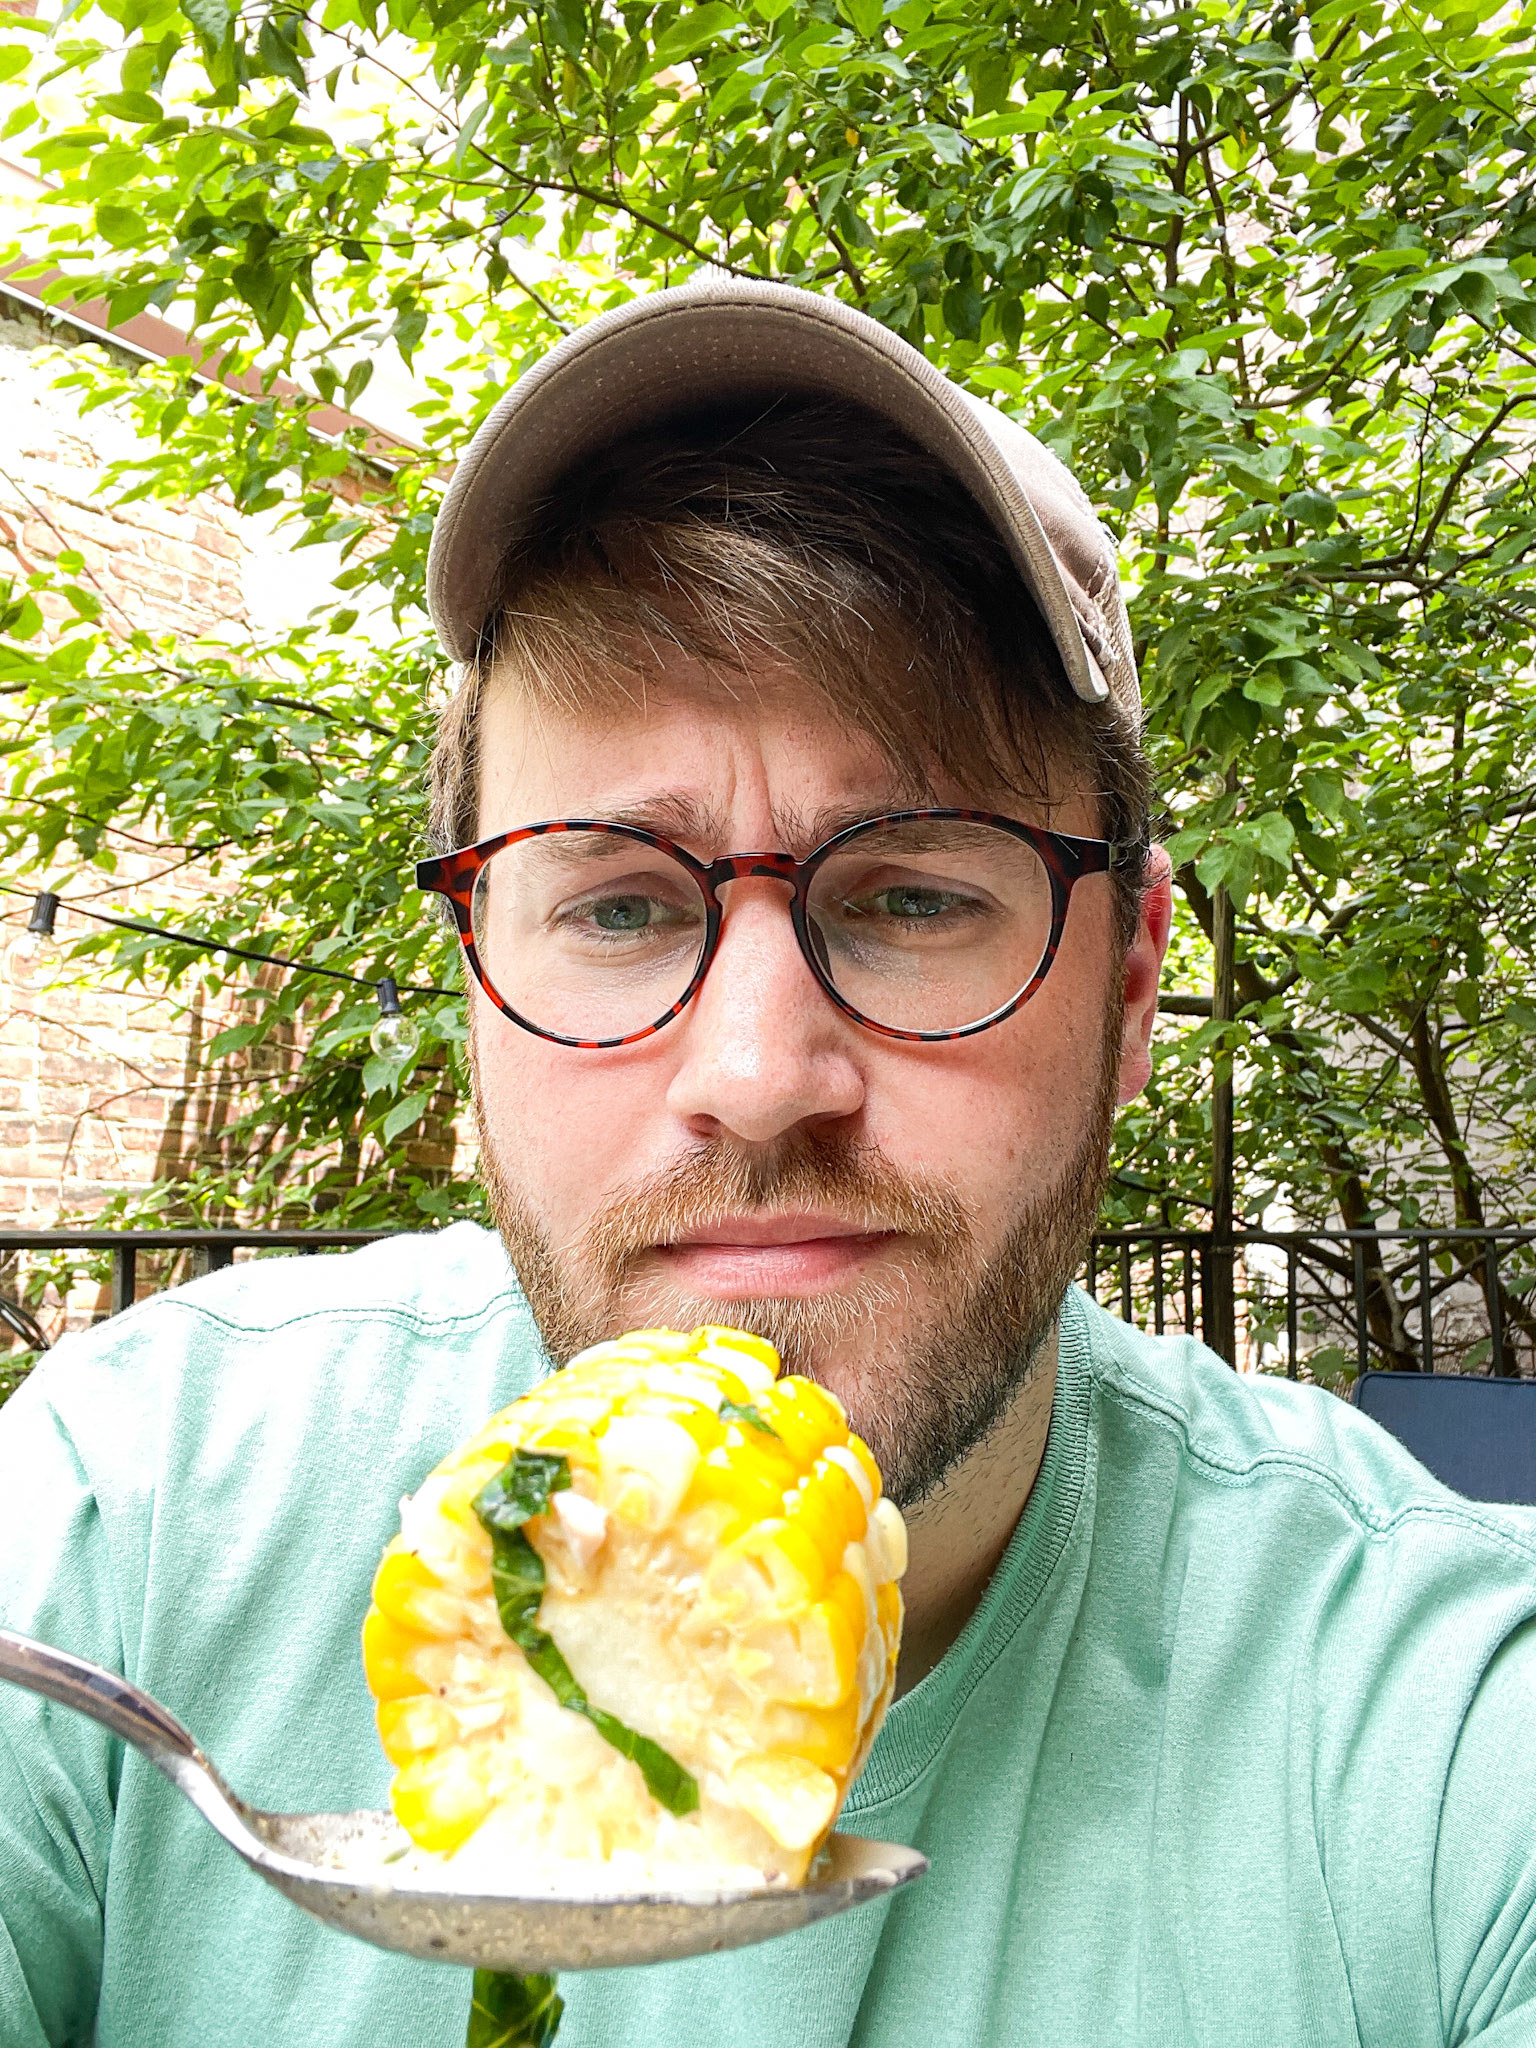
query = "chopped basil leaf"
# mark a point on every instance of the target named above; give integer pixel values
(744, 1412)
(521, 1490)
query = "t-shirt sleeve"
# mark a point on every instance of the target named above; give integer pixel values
(58, 1770)
(1484, 1886)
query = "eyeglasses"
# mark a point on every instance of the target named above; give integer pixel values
(919, 925)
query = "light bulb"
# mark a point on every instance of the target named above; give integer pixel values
(32, 962)
(34, 957)
(394, 1038)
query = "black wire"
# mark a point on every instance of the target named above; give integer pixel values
(202, 945)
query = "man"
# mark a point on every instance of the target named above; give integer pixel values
(1215, 1708)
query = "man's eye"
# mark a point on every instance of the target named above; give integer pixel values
(621, 915)
(624, 913)
(909, 903)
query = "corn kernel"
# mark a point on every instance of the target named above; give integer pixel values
(826, 1736)
(811, 1662)
(888, 1608)
(563, 1438)
(773, 1571)
(409, 1728)
(865, 1456)
(805, 1417)
(828, 1508)
(702, 1422)
(645, 1463)
(887, 1541)
(440, 1800)
(400, 1578)
(792, 1799)
(718, 1478)
(844, 1459)
(388, 1651)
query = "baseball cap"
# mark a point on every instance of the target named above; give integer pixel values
(719, 338)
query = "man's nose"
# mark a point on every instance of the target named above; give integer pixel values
(764, 1048)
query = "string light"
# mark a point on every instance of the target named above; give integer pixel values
(34, 958)
(394, 1038)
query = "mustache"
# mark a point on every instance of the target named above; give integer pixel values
(832, 1174)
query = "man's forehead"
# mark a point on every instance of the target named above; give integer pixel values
(686, 752)
(683, 761)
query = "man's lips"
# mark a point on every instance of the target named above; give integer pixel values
(795, 1254)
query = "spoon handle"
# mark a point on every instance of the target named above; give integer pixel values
(101, 1694)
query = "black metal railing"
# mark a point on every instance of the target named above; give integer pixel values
(1306, 1302)
(1452, 1300)
(206, 1251)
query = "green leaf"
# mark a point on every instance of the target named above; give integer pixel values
(130, 106)
(406, 1114)
(947, 143)
(522, 1489)
(469, 128)
(14, 59)
(1324, 791)
(1029, 119)
(279, 56)
(568, 25)
(512, 2012)
(234, 1039)
(697, 28)
(1274, 835)
(864, 15)
(119, 226)
(211, 19)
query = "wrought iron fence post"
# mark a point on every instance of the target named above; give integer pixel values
(1426, 1308)
(125, 1278)
(1292, 1312)
(1218, 1298)
(1219, 1305)
(1495, 1310)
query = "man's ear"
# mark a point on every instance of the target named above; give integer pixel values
(1143, 967)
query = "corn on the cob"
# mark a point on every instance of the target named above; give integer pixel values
(645, 1619)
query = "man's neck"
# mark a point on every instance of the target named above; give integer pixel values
(958, 1534)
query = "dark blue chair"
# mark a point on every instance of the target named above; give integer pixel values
(1476, 1435)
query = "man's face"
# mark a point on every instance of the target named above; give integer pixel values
(900, 1219)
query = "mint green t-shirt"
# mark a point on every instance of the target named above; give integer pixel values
(1239, 1748)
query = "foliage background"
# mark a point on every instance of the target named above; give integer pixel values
(1265, 275)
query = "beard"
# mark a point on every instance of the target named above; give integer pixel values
(926, 1352)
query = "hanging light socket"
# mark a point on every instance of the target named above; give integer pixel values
(33, 958)
(394, 1038)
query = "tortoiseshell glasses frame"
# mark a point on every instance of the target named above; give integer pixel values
(1064, 858)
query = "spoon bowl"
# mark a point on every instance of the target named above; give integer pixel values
(339, 1866)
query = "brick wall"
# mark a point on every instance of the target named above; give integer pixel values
(101, 1087)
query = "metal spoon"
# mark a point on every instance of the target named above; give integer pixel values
(335, 1865)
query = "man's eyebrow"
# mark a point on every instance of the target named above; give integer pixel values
(691, 823)
(820, 825)
(702, 826)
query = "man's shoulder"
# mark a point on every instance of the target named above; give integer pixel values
(432, 1318)
(434, 1281)
(1258, 1430)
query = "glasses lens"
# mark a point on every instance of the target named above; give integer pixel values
(588, 934)
(931, 925)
